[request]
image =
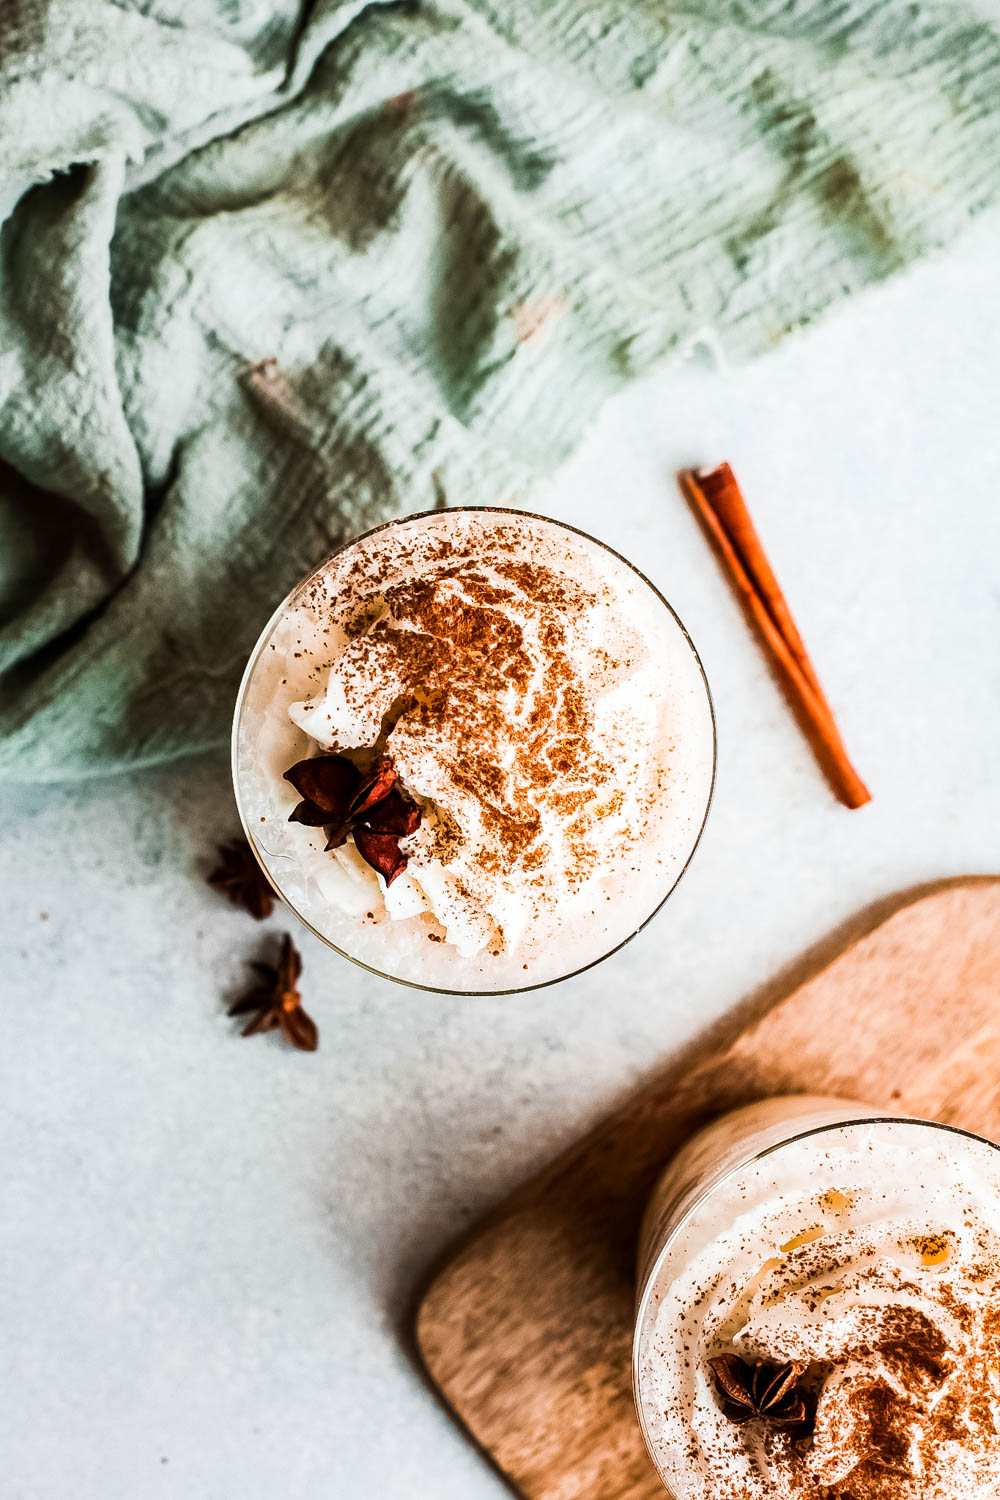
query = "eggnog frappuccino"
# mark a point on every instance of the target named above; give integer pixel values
(819, 1309)
(475, 750)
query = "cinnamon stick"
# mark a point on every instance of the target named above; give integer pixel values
(720, 507)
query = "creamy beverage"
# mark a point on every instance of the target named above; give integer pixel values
(819, 1312)
(515, 736)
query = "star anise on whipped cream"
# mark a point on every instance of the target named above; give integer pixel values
(338, 797)
(761, 1389)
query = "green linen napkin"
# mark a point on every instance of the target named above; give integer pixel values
(267, 268)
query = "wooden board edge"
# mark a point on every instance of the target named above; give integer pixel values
(418, 1308)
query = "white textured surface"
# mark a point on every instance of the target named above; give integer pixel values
(209, 1244)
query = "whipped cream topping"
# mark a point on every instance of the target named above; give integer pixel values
(522, 680)
(539, 701)
(871, 1256)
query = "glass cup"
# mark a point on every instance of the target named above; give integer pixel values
(702, 1191)
(266, 742)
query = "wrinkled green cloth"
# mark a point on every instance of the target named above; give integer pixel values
(268, 267)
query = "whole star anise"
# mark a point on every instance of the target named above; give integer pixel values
(338, 797)
(240, 877)
(275, 1001)
(771, 1392)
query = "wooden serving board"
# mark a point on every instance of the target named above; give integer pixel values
(526, 1328)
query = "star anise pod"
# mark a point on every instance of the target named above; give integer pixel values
(275, 1001)
(240, 877)
(338, 797)
(771, 1392)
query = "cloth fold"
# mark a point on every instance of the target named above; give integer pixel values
(271, 273)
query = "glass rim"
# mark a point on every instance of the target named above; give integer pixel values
(645, 1292)
(258, 650)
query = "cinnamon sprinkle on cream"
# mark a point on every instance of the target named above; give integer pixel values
(520, 704)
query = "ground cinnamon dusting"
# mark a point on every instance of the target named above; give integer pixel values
(459, 655)
(908, 1409)
(539, 710)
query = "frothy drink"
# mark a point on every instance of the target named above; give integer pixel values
(543, 722)
(819, 1318)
